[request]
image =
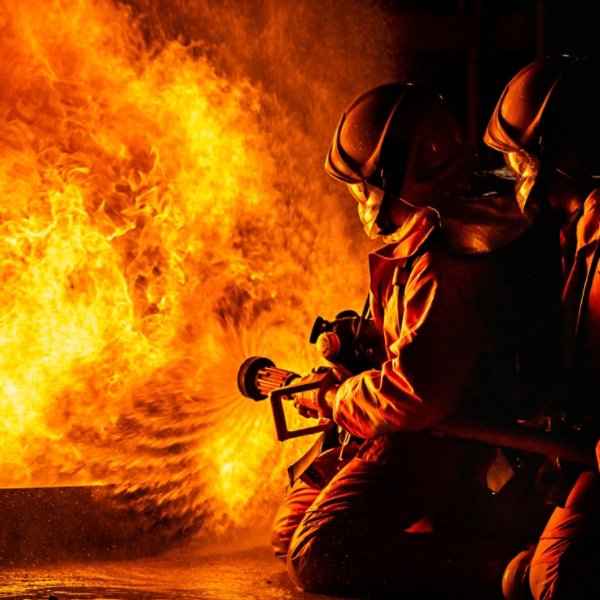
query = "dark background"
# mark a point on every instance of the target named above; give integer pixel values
(470, 49)
(316, 55)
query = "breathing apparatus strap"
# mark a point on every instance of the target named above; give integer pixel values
(364, 315)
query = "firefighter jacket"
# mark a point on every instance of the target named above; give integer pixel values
(460, 327)
(580, 241)
(567, 546)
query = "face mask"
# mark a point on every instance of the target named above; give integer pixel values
(369, 199)
(526, 169)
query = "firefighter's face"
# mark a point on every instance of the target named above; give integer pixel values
(369, 200)
(525, 168)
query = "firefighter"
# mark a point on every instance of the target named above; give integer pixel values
(455, 293)
(547, 124)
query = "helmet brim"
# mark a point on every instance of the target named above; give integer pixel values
(496, 134)
(337, 166)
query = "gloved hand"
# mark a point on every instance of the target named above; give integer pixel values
(317, 402)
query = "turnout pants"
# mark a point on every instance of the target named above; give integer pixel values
(566, 561)
(394, 518)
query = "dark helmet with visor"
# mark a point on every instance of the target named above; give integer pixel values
(549, 113)
(397, 142)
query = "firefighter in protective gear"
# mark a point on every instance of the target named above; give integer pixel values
(547, 123)
(455, 299)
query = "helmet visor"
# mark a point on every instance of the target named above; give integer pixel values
(526, 169)
(369, 199)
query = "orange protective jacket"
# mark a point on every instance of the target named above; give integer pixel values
(560, 565)
(454, 323)
(581, 301)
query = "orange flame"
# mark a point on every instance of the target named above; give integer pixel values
(150, 240)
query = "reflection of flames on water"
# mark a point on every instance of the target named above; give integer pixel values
(151, 239)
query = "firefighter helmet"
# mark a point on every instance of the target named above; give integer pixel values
(397, 141)
(549, 111)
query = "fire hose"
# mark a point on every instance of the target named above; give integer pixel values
(259, 379)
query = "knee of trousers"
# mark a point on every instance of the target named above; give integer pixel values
(328, 554)
(289, 515)
(314, 563)
(327, 560)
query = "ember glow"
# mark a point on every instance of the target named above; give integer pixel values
(153, 234)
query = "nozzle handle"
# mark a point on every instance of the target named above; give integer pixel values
(276, 397)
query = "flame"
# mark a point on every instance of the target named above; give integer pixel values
(156, 227)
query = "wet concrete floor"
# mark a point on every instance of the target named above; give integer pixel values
(73, 543)
(186, 573)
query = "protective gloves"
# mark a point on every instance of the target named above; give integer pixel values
(318, 402)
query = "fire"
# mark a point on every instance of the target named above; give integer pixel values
(150, 240)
